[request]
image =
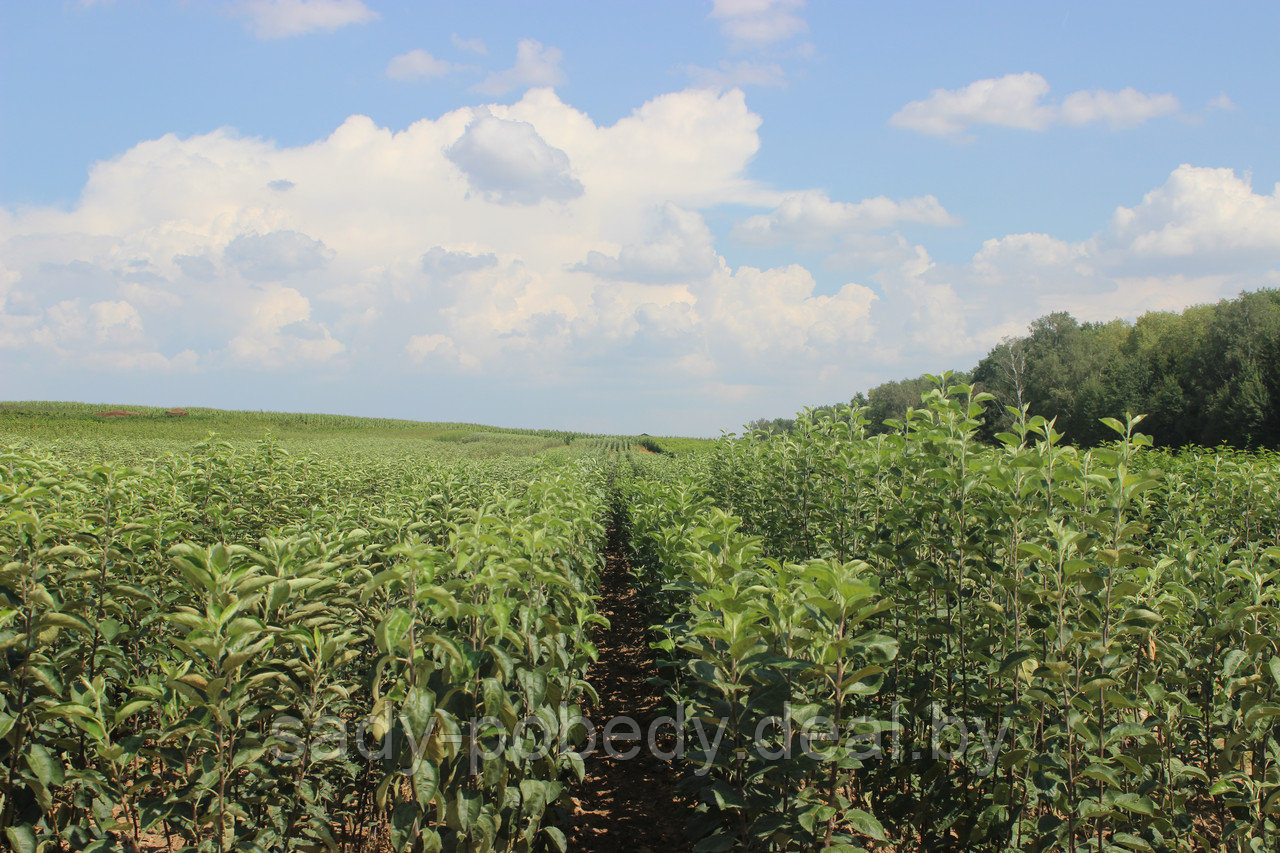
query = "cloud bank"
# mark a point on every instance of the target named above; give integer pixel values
(275, 19)
(525, 250)
(1019, 101)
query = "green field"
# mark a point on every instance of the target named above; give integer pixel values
(325, 633)
(149, 430)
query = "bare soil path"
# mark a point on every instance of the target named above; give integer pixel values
(626, 805)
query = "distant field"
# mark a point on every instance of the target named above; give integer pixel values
(118, 430)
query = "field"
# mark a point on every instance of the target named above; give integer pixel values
(324, 633)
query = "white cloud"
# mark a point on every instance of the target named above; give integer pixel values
(440, 263)
(535, 66)
(680, 249)
(728, 74)
(196, 267)
(509, 248)
(469, 45)
(758, 22)
(275, 256)
(107, 336)
(439, 349)
(115, 322)
(278, 331)
(383, 237)
(417, 65)
(811, 218)
(272, 19)
(1018, 101)
(8, 278)
(68, 325)
(1209, 217)
(509, 163)
(1038, 266)
(1221, 102)
(1202, 236)
(769, 314)
(1126, 108)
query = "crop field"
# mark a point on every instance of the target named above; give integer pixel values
(313, 633)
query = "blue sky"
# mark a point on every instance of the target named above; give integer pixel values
(659, 216)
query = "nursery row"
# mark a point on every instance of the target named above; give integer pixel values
(254, 651)
(919, 637)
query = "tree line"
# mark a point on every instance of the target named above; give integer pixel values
(1208, 375)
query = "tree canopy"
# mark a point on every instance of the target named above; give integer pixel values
(1207, 376)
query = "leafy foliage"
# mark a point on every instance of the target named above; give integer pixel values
(1081, 647)
(256, 651)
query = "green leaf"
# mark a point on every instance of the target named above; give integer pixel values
(64, 620)
(127, 710)
(718, 843)
(557, 838)
(464, 810)
(42, 763)
(1013, 660)
(865, 823)
(21, 838)
(426, 781)
(391, 631)
(1114, 424)
(1136, 804)
(1131, 841)
(1232, 662)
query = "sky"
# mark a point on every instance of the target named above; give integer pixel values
(623, 217)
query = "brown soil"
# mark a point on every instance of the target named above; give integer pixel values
(177, 413)
(626, 805)
(118, 413)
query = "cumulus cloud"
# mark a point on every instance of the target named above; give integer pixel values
(8, 278)
(535, 66)
(811, 218)
(469, 45)
(728, 74)
(1221, 102)
(1019, 101)
(758, 22)
(509, 163)
(273, 19)
(279, 332)
(196, 267)
(275, 256)
(439, 350)
(1211, 215)
(382, 237)
(102, 336)
(418, 65)
(1126, 108)
(440, 263)
(111, 324)
(522, 246)
(680, 249)
(777, 313)
(1201, 236)
(1035, 264)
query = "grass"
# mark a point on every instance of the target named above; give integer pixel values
(150, 431)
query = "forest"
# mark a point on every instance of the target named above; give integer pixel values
(1207, 376)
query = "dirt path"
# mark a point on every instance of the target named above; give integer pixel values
(626, 805)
